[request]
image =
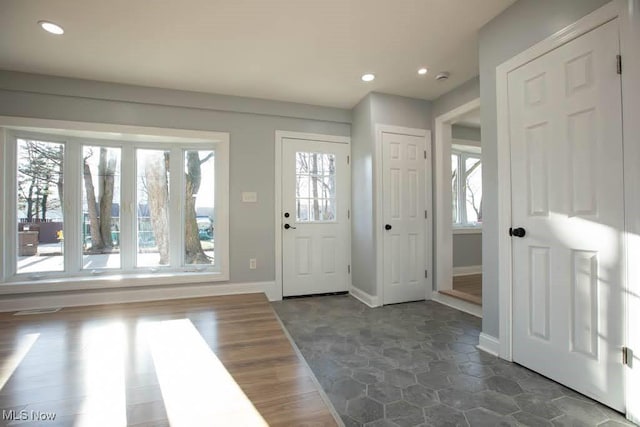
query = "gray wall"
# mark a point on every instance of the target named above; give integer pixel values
(465, 132)
(400, 111)
(251, 124)
(520, 26)
(363, 253)
(467, 250)
(375, 108)
(466, 92)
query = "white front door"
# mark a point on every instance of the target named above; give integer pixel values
(403, 199)
(315, 217)
(567, 195)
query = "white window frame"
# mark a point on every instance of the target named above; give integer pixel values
(128, 138)
(464, 153)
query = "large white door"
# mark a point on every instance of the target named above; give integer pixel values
(567, 195)
(315, 217)
(403, 199)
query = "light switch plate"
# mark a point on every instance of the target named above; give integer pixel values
(249, 196)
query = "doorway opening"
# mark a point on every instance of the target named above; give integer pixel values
(458, 164)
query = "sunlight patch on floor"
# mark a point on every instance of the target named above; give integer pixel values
(13, 361)
(104, 349)
(196, 387)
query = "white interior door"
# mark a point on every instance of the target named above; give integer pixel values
(315, 216)
(567, 194)
(403, 199)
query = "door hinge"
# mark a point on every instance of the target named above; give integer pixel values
(425, 154)
(426, 274)
(426, 215)
(349, 269)
(348, 159)
(348, 213)
(619, 64)
(627, 356)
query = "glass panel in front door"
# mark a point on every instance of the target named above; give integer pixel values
(315, 187)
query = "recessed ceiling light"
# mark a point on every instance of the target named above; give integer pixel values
(422, 71)
(368, 77)
(50, 27)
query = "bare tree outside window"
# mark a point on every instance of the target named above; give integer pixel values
(315, 187)
(40, 189)
(466, 187)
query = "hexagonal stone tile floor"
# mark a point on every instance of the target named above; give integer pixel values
(416, 364)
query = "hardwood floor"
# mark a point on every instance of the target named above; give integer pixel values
(467, 288)
(205, 361)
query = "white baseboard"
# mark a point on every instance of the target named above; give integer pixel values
(122, 295)
(467, 270)
(458, 304)
(489, 344)
(363, 297)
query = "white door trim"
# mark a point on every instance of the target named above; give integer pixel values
(628, 12)
(629, 41)
(379, 208)
(443, 256)
(280, 136)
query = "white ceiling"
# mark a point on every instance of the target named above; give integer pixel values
(309, 51)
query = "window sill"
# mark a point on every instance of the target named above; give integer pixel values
(467, 230)
(109, 281)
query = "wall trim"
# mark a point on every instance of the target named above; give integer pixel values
(467, 230)
(466, 270)
(134, 294)
(458, 304)
(381, 129)
(629, 41)
(443, 253)
(279, 137)
(505, 286)
(489, 344)
(365, 298)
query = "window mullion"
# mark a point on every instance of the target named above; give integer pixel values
(176, 203)
(72, 202)
(11, 207)
(462, 211)
(128, 235)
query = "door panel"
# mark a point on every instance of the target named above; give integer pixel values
(567, 192)
(315, 196)
(404, 203)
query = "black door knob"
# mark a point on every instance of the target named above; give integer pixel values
(287, 226)
(387, 227)
(517, 232)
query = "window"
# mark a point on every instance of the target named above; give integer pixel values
(152, 207)
(101, 207)
(96, 205)
(315, 187)
(40, 189)
(466, 188)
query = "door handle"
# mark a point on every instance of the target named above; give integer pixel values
(287, 226)
(387, 227)
(517, 232)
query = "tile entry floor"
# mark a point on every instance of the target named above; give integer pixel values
(416, 364)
